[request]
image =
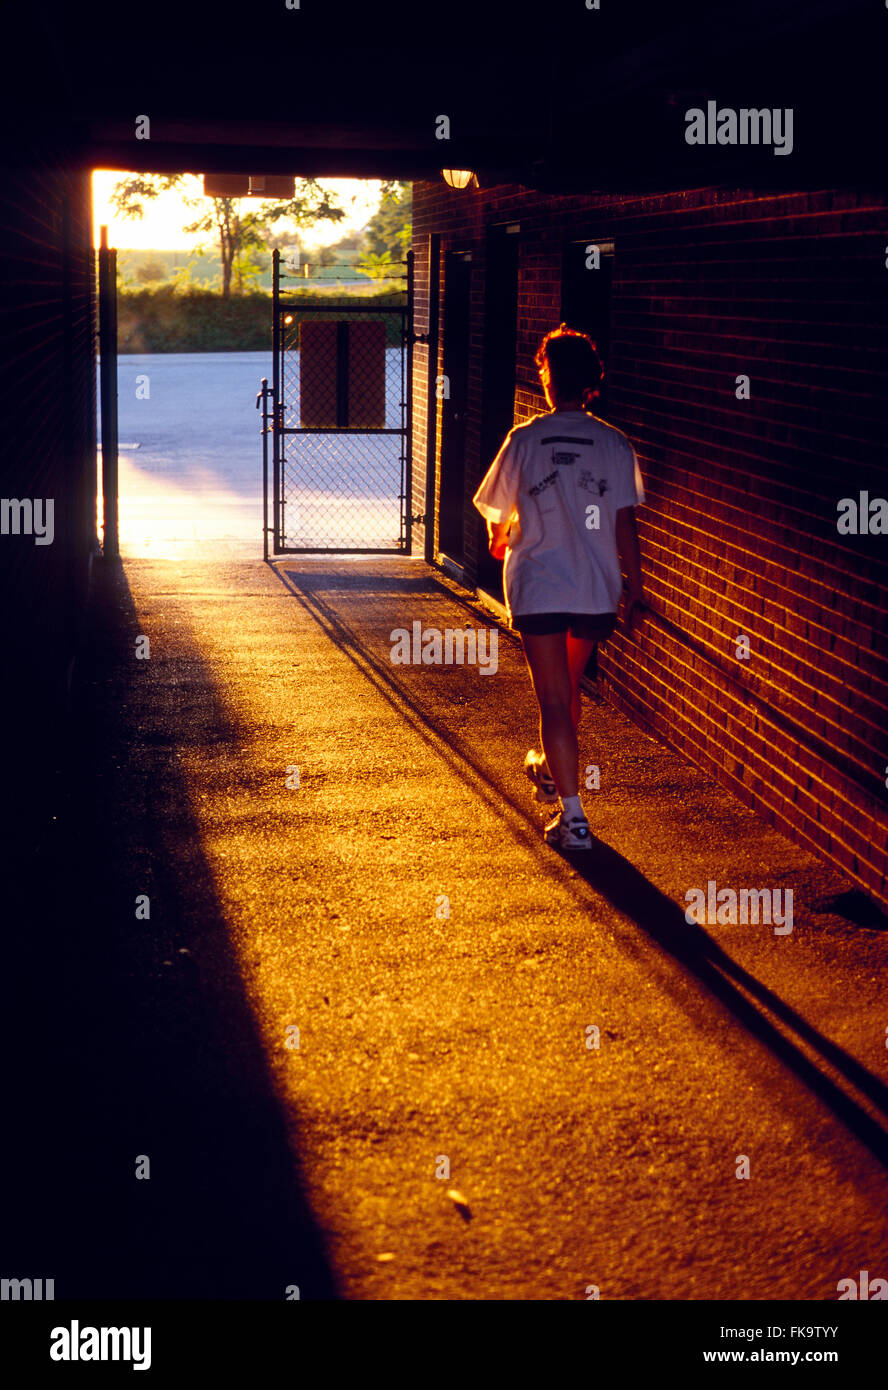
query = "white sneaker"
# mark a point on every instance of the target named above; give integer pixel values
(568, 834)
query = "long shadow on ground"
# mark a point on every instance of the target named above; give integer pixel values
(134, 1037)
(613, 877)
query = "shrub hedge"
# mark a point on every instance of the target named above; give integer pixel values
(164, 319)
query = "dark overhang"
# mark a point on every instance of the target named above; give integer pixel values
(551, 95)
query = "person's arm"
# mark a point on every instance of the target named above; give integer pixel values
(498, 538)
(630, 559)
(497, 497)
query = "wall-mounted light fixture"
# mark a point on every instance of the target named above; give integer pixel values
(460, 178)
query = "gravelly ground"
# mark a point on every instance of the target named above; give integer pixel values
(426, 1037)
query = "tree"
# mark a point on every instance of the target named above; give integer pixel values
(240, 233)
(379, 267)
(390, 228)
(152, 269)
(350, 242)
(124, 280)
(184, 279)
(285, 242)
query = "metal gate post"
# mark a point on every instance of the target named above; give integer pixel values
(263, 398)
(108, 387)
(276, 413)
(407, 328)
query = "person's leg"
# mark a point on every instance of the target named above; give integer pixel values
(547, 661)
(579, 649)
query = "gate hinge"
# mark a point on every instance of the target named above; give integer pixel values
(419, 518)
(419, 337)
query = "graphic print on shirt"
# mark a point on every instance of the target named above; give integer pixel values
(560, 458)
(541, 486)
(542, 481)
(589, 483)
(568, 439)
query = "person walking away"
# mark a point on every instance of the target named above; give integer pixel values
(559, 500)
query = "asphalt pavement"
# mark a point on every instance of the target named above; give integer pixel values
(377, 1039)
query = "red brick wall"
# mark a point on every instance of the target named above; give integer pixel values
(739, 530)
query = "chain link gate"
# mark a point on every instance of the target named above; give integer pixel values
(339, 419)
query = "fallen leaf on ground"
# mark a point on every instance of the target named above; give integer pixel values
(459, 1202)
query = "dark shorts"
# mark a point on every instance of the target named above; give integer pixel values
(591, 627)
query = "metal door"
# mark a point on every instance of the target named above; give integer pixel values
(457, 326)
(339, 418)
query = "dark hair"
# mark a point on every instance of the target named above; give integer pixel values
(572, 359)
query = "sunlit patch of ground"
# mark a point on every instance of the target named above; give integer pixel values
(162, 520)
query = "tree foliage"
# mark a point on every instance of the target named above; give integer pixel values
(171, 319)
(151, 270)
(350, 242)
(380, 267)
(241, 231)
(390, 228)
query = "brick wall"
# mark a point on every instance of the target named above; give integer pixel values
(48, 395)
(739, 530)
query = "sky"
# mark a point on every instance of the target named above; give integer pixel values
(161, 226)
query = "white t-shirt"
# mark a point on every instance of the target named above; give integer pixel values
(560, 480)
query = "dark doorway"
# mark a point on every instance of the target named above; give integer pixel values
(498, 379)
(586, 298)
(451, 504)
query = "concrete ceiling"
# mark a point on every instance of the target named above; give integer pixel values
(552, 95)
